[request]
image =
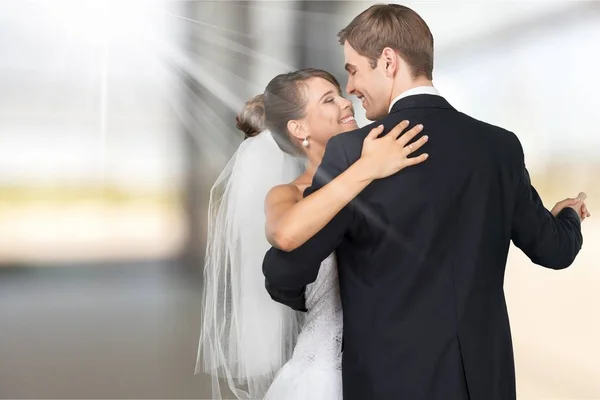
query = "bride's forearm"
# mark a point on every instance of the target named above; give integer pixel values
(308, 216)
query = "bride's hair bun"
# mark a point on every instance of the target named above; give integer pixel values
(251, 120)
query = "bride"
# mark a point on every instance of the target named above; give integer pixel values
(260, 348)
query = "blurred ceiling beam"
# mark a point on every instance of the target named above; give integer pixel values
(564, 18)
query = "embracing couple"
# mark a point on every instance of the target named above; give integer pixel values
(389, 242)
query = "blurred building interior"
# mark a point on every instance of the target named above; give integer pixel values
(117, 116)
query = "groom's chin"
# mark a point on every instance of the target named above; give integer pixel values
(374, 112)
(373, 115)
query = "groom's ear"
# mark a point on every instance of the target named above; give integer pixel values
(390, 60)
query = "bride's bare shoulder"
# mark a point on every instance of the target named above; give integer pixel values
(290, 192)
(283, 193)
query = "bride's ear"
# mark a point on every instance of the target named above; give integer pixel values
(297, 130)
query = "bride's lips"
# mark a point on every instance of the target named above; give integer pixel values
(347, 120)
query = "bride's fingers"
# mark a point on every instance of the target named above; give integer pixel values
(398, 129)
(375, 132)
(416, 160)
(406, 150)
(408, 136)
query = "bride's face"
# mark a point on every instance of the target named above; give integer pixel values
(327, 111)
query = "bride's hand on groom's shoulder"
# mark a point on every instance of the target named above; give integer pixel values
(386, 155)
(577, 204)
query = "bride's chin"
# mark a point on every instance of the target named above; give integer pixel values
(348, 127)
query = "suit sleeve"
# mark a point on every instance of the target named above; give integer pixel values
(288, 273)
(552, 242)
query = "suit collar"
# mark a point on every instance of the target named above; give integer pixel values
(421, 101)
(413, 91)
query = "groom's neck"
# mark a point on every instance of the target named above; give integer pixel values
(411, 84)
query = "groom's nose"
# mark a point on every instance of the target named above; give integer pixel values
(349, 87)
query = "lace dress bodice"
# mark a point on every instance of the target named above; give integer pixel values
(320, 341)
(315, 370)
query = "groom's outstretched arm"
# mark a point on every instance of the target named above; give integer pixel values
(288, 273)
(549, 241)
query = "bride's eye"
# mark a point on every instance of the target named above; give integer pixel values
(330, 100)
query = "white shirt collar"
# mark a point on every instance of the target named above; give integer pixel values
(414, 91)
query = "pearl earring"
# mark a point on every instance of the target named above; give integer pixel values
(305, 143)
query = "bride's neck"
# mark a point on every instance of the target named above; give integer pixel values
(314, 157)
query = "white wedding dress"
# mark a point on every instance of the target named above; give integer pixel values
(262, 349)
(315, 372)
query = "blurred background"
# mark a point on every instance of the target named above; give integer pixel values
(117, 116)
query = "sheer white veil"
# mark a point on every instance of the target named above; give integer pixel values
(245, 337)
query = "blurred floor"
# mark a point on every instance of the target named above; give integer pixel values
(130, 331)
(99, 332)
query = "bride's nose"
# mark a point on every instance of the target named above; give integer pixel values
(345, 103)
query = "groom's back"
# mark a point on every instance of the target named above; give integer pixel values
(423, 266)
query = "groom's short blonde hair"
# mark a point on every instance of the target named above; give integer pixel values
(394, 26)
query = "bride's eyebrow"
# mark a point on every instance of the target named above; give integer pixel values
(326, 94)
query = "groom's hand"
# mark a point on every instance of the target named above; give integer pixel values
(577, 204)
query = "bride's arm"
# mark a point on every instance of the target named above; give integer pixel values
(292, 220)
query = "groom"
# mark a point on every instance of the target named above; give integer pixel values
(422, 254)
